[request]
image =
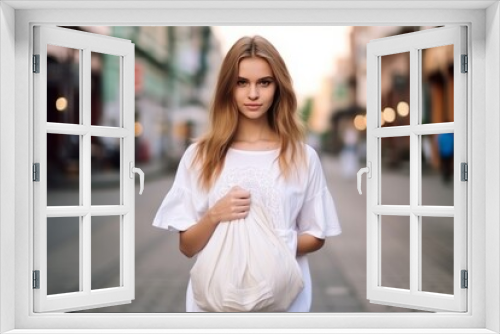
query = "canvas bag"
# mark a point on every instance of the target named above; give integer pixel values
(246, 267)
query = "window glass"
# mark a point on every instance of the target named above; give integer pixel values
(395, 251)
(437, 85)
(63, 255)
(63, 169)
(105, 232)
(105, 90)
(438, 170)
(437, 254)
(395, 170)
(63, 101)
(395, 89)
(106, 161)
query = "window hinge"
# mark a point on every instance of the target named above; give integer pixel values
(36, 63)
(36, 279)
(465, 64)
(464, 171)
(465, 279)
(36, 172)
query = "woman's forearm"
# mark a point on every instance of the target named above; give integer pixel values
(306, 243)
(196, 237)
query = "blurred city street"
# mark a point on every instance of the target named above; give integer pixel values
(176, 69)
(338, 269)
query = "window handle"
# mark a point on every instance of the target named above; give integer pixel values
(367, 170)
(141, 175)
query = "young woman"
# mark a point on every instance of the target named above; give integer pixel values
(254, 150)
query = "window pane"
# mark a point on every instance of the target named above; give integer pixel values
(437, 254)
(395, 89)
(437, 85)
(437, 169)
(395, 171)
(63, 255)
(105, 252)
(106, 158)
(105, 90)
(63, 169)
(395, 251)
(63, 84)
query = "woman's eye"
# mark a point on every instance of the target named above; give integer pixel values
(241, 83)
(265, 83)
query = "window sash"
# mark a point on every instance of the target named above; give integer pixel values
(86, 297)
(413, 298)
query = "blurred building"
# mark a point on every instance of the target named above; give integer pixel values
(343, 106)
(349, 90)
(349, 95)
(196, 58)
(175, 71)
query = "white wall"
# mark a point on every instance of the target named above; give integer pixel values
(485, 116)
(492, 171)
(7, 185)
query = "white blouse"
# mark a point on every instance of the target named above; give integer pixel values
(301, 204)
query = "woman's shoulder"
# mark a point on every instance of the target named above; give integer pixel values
(313, 161)
(310, 152)
(189, 154)
(191, 149)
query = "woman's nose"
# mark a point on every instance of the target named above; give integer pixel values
(254, 92)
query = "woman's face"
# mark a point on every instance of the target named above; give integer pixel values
(255, 87)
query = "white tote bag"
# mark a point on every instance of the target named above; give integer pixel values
(246, 267)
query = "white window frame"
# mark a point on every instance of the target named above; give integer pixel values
(483, 21)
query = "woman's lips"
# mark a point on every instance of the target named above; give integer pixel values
(253, 106)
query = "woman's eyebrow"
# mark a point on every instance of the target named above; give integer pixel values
(260, 79)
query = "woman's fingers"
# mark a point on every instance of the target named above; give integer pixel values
(243, 208)
(241, 202)
(239, 192)
(235, 205)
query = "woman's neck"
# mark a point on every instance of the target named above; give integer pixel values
(255, 133)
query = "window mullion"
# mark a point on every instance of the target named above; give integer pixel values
(81, 168)
(418, 129)
(80, 130)
(434, 128)
(127, 187)
(123, 172)
(108, 210)
(415, 260)
(375, 198)
(392, 131)
(85, 246)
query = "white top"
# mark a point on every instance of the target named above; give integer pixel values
(299, 205)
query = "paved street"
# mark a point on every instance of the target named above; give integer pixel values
(338, 269)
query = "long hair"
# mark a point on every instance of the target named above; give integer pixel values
(223, 120)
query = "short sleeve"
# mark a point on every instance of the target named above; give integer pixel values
(318, 215)
(185, 203)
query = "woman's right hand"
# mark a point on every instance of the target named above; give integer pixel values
(234, 205)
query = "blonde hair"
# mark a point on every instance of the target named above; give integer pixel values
(223, 120)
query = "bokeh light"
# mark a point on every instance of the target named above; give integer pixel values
(388, 115)
(403, 109)
(138, 129)
(360, 122)
(61, 104)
